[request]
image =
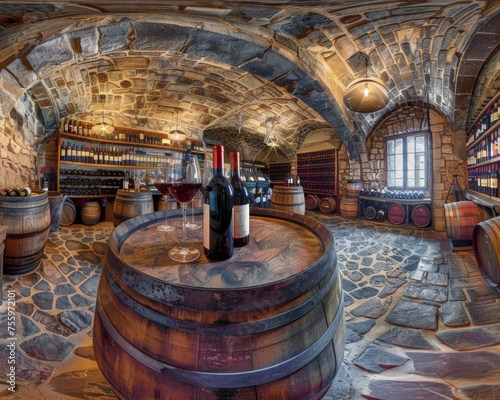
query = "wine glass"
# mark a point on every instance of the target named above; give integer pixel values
(162, 185)
(185, 181)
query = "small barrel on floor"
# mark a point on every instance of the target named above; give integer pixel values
(460, 218)
(289, 198)
(349, 207)
(353, 187)
(327, 205)
(68, 213)
(421, 216)
(312, 202)
(396, 214)
(130, 204)
(486, 244)
(91, 213)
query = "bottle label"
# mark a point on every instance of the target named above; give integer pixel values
(206, 226)
(241, 220)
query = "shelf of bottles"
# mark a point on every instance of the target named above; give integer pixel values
(483, 151)
(91, 165)
(254, 176)
(318, 172)
(278, 173)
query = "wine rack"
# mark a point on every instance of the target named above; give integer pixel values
(278, 173)
(483, 152)
(95, 166)
(318, 173)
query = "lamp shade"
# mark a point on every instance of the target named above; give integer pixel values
(103, 128)
(176, 134)
(366, 95)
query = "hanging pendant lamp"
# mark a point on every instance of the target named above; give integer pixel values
(177, 134)
(105, 127)
(366, 95)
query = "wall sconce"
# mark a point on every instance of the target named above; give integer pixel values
(105, 127)
(177, 134)
(366, 95)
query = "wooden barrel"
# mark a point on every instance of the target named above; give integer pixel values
(312, 202)
(327, 205)
(28, 222)
(460, 218)
(486, 244)
(289, 198)
(131, 204)
(396, 214)
(68, 213)
(421, 216)
(170, 205)
(370, 212)
(56, 200)
(91, 213)
(353, 187)
(349, 207)
(266, 324)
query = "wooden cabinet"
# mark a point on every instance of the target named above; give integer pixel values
(409, 212)
(318, 174)
(483, 151)
(95, 166)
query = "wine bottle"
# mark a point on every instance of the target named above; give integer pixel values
(5, 191)
(241, 204)
(25, 191)
(218, 211)
(15, 192)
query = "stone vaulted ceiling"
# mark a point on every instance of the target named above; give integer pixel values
(243, 73)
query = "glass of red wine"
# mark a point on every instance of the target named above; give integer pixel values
(185, 181)
(162, 185)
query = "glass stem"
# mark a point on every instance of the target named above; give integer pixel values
(184, 206)
(166, 203)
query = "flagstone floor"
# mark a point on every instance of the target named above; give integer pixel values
(421, 323)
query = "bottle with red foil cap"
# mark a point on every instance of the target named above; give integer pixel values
(218, 212)
(241, 204)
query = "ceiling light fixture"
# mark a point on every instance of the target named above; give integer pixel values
(366, 95)
(177, 134)
(105, 127)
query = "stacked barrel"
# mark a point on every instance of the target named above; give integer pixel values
(349, 202)
(469, 223)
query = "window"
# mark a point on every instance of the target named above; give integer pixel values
(407, 162)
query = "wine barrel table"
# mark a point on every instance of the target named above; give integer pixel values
(130, 204)
(289, 198)
(267, 323)
(486, 244)
(28, 221)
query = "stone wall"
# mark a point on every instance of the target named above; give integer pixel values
(448, 155)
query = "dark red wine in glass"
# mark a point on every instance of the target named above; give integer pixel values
(163, 188)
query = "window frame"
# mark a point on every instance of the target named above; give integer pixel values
(405, 136)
